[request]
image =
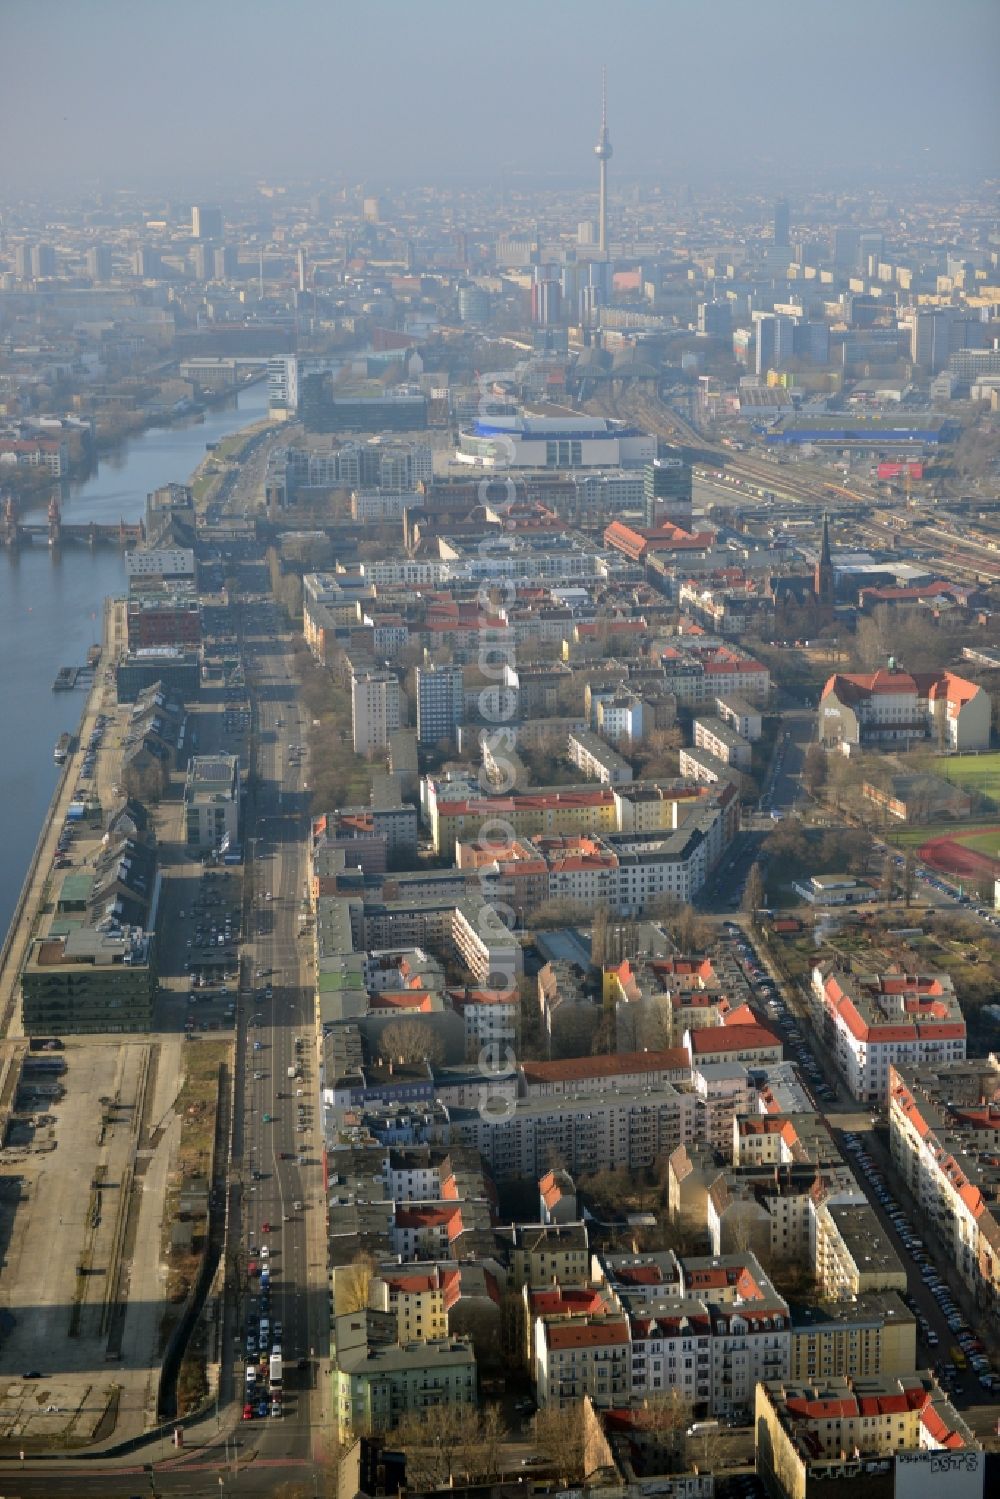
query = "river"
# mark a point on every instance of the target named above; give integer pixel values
(50, 612)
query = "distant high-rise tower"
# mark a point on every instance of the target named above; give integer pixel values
(206, 223)
(823, 576)
(99, 262)
(43, 261)
(603, 153)
(666, 490)
(225, 262)
(781, 222)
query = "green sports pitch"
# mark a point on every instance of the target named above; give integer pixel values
(975, 773)
(987, 841)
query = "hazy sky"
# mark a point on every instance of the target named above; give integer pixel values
(200, 92)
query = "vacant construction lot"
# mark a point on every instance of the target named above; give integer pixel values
(82, 1279)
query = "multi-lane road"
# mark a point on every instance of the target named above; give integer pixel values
(278, 1149)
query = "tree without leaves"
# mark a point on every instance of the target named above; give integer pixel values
(814, 769)
(406, 1041)
(599, 937)
(560, 1435)
(436, 1442)
(909, 876)
(666, 1413)
(753, 893)
(354, 1284)
(559, 911)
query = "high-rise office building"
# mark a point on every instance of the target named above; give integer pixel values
(202, 262)
(374, 709)
(206, 223)
(666, 492)
(225, 262)
(930, 340)
(811, 343)
(22, 262)
(473, 305)
(546, 302)
(43, 261)
(147, 264)
(440, 702)
(781, 222)
(99, 263)
(715, 319)
(775, 335)
(845, 247)
(871, 248)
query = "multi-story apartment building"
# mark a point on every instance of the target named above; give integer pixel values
(881, 1432)
(743, 717)
(590, 1132)
(723, 741)
(378, 1383)
(698, 676)
(748, 1043)
(728, 609)
(375, 699)
(563, 810)
(396, 825)
(490, 1017)
(596, 759)
(852, 1254)
(573, 1076)
(944, 1132)
(877, 1021)
(583, 1356)
(621, 717)
(416, 1296)
(545, 1254)
(212, 800)
(440, 703)
(872, 1334)
(377, 506)
(892, 708)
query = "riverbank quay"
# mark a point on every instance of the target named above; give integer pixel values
(37, 885)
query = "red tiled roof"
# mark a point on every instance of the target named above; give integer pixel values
(706, 1039)
(586, 1334)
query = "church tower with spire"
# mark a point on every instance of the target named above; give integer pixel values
(823, 575)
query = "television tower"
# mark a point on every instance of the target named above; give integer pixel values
(603, 153)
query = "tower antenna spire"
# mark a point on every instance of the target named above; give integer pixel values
(603, 153)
